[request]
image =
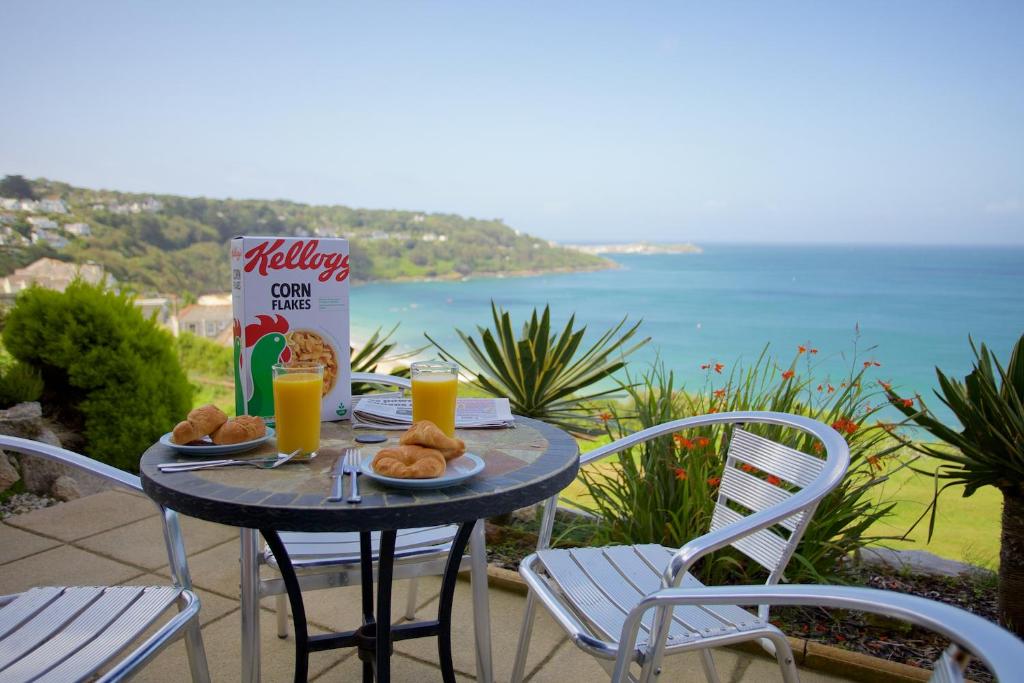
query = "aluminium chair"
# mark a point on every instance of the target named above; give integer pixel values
(326, 560)
(972, 636)
(59, 634)
(591, 592)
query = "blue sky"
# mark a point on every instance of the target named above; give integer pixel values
(770, 122)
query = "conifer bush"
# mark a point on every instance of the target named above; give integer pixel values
(19, 383)
(106, 369)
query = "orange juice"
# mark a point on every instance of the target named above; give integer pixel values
(433, 398)
(297, 411)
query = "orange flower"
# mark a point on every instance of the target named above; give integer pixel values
(845, 424)
(773, 480)
(831, 388)
(712, 410)
(871, 363)
(801, 349)
(814, 351)
(788, 374)
(908, 403)
(719, 393)
(714, 481)
(682, 442)
(605, 416)
(748, 468)
(885, 385)
(718, 367)
(680, 474)
(820, 388)
(703, 441)
(875, 463)
(705, 366)
(818, 448)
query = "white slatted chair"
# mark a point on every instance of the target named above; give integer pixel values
(972, 636)
(592, 592)
(326, 560)
(58, 634)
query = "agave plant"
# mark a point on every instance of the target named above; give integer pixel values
(375, 350)
(545, 375)
(989, 451)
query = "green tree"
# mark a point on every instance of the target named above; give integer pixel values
(105, 368)
(16, 186)
(989, 451)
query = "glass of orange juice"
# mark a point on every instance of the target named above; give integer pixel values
(298, 388)
(434, 386)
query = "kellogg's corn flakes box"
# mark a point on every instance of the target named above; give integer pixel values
(290, 303)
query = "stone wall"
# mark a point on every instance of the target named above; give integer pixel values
(40, 476)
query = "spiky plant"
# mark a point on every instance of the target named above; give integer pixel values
(375, 350)
(545, 375)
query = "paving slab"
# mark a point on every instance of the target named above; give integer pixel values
(141, 543)
(63, 566)
(506, 618)
(87, 516)
(211, 606)
(402, 669)
(16, 544)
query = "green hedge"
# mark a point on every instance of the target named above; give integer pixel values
(102, 363)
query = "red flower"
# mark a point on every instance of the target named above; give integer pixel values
(818, 448)
(680, 474)
(719, 393)
(682, 442)
(605, 416)
(712, 410)
(773, 480)
(831, 388)
(820, 388)
(788, 374)
(874, 462)
(714, 481)
(705, 366)
(718, 368)
(845, 424)
(703, 441)
(813, 351)
(908, 403)
(748, 468)
(870, 363)
(801, 349)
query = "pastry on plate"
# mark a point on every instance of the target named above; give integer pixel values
(426, 433)
(200, 422)
(239, 429)
(409, 462)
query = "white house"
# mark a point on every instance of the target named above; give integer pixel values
(78, 229)
(53, 205)
(52, 274)
(41, 223)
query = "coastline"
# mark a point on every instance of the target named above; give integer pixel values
(496, 275)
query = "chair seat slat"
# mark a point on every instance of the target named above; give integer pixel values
(90, 624)
(24, 607)
(45, 623)
(118, 634)
(345, 545)
(592, 604)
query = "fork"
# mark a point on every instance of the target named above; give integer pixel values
(263, 464)
(353, 460)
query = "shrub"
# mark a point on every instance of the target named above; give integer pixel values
(204, 357)
(103, 365)
(19, 383)
(664, 490)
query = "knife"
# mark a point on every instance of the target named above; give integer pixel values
(336, 478)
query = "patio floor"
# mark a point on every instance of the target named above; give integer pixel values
(115, 537)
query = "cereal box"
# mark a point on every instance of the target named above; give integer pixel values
(290, 302)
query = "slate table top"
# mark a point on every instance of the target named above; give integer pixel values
(523, 465)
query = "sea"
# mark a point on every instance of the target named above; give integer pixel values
(909, 309)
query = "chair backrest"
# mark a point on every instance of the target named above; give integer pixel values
(760, 474)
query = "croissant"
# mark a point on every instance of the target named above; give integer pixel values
(426, 433)
(199, 422)
(409, 462)
(239, 429)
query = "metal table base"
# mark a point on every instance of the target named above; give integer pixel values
(374, 642)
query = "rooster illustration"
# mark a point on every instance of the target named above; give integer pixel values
(269, 346)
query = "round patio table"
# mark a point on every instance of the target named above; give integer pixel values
(524, 465)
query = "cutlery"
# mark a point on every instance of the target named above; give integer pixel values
(351, 467)
(261, 463)
(336, 473)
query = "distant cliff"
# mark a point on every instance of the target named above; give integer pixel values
(636, 248)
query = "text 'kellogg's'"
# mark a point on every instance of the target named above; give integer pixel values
(300, 255)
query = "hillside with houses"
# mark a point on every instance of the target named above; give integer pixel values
(176, 247)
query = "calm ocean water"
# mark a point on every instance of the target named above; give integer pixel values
(914, 306)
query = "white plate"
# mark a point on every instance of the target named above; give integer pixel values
(207, 447)
(458, 470)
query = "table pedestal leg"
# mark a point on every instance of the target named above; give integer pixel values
(291, 584)
(444, 608)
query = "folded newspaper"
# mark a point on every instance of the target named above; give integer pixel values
(391, 411)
